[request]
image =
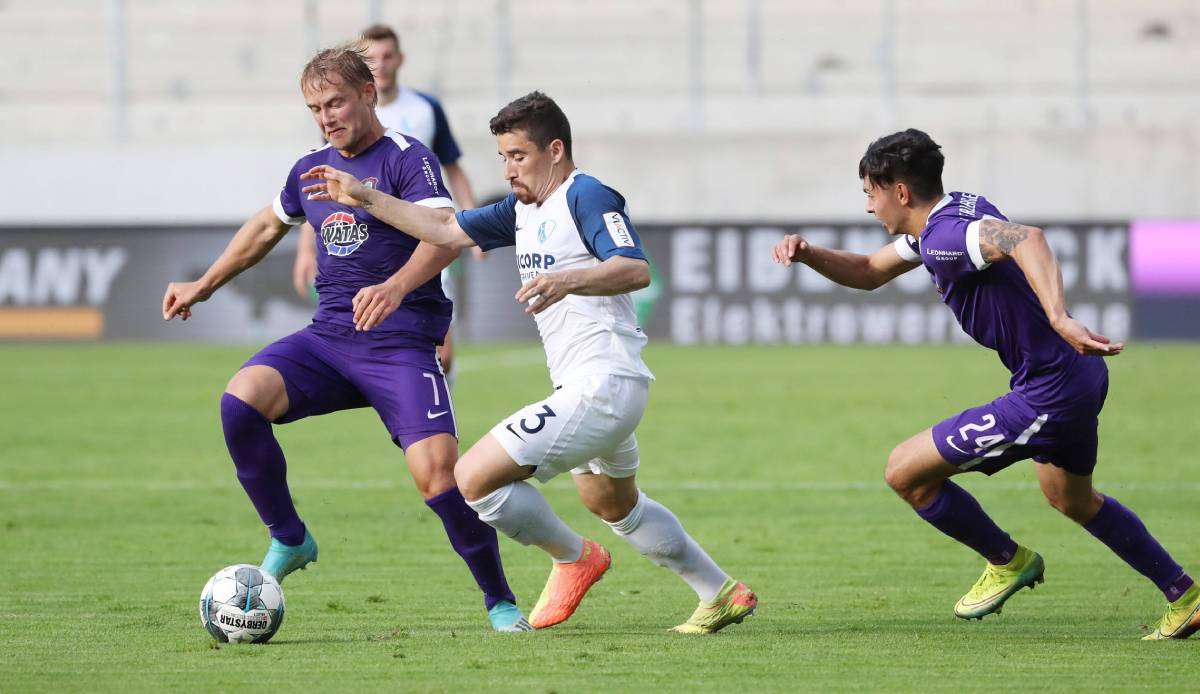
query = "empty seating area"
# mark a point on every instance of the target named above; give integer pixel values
(685, 74)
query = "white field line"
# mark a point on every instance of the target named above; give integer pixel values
(142, 485)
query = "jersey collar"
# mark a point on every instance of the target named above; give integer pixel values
(946, 200)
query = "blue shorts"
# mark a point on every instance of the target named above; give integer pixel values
(327, 368)
(991, 437)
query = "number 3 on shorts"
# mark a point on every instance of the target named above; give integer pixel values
(542, 416)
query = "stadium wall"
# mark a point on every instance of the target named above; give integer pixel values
(712, 284)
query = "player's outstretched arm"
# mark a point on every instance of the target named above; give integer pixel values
(616, 275)
(254, 240)
(848, 269)
(1000, 240)
(431, 225)
(375, 303)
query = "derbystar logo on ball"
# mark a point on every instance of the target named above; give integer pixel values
(342, 234)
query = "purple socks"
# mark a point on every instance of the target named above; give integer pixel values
(1125, 534)
(957, 514)
(475, 541)
(261, 468)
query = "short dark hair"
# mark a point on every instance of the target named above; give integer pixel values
(541, 119)
(911, 157)
(344, 62)
(381, 32)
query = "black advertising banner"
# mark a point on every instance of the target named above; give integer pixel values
(717, 284)
(713, 284)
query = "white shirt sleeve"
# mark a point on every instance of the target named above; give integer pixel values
(284, 216)
(973, 248)
(435, 202)
(905, 251)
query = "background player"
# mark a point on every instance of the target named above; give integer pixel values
(1004, 286)
(335, 364)
(579, 258)
(415, 114)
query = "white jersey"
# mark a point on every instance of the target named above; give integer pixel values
(580, 225)
(419, 115)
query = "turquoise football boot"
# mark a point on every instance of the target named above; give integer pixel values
(282, 559)
(507, 618)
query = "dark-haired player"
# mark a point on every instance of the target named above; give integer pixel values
(372, 278)
(579, 258)
(1004, 286)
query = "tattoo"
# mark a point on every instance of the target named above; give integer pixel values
(366, 204)
(997, 239)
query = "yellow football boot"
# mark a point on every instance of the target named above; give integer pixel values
(733, 603)
(999, 583)
(1182, 618)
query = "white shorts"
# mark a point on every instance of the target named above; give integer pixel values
(584, 426)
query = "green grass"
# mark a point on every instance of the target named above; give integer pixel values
(117, 501)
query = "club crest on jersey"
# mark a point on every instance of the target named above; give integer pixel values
(371, 182)
(544, 230)
(342, 235)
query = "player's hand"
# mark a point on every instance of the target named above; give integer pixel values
(545, 290)
(335, 185)
(375, 303)
(180, 298)
(791, 249)
(1085, 341)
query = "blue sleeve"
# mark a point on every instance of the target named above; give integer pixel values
(287, 204)
(443, 144)
(599, 213)
(494, 226)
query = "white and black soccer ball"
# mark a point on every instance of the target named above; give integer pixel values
(241, 604)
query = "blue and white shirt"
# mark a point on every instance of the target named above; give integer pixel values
(580, 225)
(419, 115)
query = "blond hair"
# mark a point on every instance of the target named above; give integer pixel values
(345, 64)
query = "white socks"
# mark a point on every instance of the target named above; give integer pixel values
(655, 532)
(521, 512)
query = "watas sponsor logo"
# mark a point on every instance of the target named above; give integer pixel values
(342, 234)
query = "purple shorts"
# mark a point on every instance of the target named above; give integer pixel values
(327, 368)
(991, 437)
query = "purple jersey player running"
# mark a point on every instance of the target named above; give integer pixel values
(371, 343)
(1004, 286)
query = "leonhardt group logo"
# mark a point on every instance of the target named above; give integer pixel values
(342, 234)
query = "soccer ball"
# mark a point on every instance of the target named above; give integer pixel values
(241, 604)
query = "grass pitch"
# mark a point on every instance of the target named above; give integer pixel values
(117, 501)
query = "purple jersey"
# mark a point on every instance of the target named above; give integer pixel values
(356, 250)
(995, 305)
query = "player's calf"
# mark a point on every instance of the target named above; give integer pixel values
(261, 468)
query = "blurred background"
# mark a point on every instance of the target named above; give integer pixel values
(139, 134)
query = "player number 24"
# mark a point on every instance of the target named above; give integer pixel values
(982, 443)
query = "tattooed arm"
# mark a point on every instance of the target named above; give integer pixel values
(1026, 245)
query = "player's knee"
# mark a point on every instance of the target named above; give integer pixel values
(238, 419)
(896, 473)
(1079, 508)
(471, 481)
(610, 509)
(260, 387)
